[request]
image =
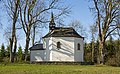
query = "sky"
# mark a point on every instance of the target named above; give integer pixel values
(79, 11)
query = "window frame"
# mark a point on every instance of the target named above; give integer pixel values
(58, 45)
(78, 46)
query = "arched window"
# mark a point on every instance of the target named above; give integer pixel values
(58, 45)
(78, 46)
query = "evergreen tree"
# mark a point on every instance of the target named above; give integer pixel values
(87, 52)
(97, 51)
(2, 51)
(118, 45)
(93, 50)
(7, 52)
(117, 54)
(112, 45)
(20, 53)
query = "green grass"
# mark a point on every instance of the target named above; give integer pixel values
(57, 69)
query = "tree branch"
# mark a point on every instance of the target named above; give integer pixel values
(98, 19)
(110, 32)
(22, 19)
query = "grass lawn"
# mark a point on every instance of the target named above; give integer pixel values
(57, 69)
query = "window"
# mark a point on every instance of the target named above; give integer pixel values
(58, 45)
(78, 46)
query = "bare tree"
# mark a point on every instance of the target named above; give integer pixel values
(36, 27)
(1, 4)
(34, 11)
(106, 13)
(116, 33)
(12, 10)
(93, 30)
(78, 27)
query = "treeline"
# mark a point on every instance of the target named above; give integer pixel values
(112, 52)
(5, 54)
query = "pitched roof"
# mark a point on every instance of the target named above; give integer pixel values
(63, 32)
(37, 47)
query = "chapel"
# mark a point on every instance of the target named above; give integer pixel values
(62, 44)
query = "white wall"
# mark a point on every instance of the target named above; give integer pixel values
(79, 54)
(66, 52)
(47, 43)
(37, 55)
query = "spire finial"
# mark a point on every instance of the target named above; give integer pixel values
(52, 18)
(52, 23)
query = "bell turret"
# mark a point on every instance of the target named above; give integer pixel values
(52, 23)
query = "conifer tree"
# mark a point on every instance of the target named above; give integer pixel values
(2, 51)
(7, 52)
(20, 54)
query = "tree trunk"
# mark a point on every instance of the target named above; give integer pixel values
(101, 52)
(93, 51)
(11, 54)
(33, 38)
(27, 46)
(13, 40)
(15, 46)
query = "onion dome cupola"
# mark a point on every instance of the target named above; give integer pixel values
(52, 23)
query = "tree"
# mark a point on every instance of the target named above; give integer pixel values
(93, 30)
(110, 49)
(96, 56)
(2, 51)
(12, 10)
(107, 11)
(78, 27)
(7, 52)
(117, 54)
(20, 54)
(87, 51)
(36, 31)
(111, 46)
(34, 11)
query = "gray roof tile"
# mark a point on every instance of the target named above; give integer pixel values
(63, 32)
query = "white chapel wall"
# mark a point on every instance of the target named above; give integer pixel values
(66, 52)
(79, 54)
(37, 55)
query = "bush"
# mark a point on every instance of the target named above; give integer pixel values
(111, 62)
(117, 58)
(1, 59)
